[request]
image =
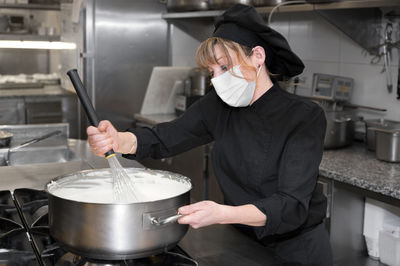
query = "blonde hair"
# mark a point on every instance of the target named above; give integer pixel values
(205, 55)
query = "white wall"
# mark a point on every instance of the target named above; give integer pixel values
(324, 49)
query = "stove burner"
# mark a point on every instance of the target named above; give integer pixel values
(15, 240)
(5, 198)
(18, 258)
(7, 225)
(176, 258)
(33, 204)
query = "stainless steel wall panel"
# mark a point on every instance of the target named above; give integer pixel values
(129, 39)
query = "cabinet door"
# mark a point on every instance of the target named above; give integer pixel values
(12, 111)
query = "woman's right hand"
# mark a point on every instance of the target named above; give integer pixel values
(103, 138)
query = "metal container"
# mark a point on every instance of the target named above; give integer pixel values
(387, 144)
(5, 139)
(199, 81)
(116, 231)
(339, 130)
(268, 2)
(224, 4)
(186, 5)
(370, 126)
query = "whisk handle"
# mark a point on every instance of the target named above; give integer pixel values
(83, 97)
(85, 101)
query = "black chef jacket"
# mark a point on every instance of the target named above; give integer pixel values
(266, 154)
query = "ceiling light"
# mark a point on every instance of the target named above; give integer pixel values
(38, 45)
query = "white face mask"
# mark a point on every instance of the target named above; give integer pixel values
(234, 90)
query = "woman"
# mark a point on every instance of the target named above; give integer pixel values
(268, 143)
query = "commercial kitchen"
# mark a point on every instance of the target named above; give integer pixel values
(137, 63)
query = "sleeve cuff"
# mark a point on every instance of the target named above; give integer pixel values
(141, 136)
(272, 211)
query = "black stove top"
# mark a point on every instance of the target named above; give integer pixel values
(25, 237)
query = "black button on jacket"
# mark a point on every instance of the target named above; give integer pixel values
(266, 154)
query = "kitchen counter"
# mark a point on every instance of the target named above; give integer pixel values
(357, 166)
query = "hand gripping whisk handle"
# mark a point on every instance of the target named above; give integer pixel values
(85, 101)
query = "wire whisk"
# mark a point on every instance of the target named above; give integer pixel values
(123, 185)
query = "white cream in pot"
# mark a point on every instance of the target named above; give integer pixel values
(96, 187)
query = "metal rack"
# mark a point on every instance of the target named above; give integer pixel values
(29, 37)
(31, 6)
(351, 4)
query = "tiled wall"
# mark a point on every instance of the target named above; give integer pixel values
(324, 49)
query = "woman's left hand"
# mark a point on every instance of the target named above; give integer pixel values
(202, 214)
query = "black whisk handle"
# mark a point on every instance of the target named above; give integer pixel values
(83, 97)
(85, 101)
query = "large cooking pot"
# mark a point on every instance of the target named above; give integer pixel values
(268, 2)
(115, 231)
(225, 4)
(186, 5)
(339, 130)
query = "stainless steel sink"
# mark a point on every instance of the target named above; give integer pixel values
(37, 155)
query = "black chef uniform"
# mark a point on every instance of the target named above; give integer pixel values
(266, 154)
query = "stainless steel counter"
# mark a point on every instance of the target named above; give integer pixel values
(37, 175)
(223, 245)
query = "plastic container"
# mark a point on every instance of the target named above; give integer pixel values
(389, 242)
(373, 220)
(376, 213)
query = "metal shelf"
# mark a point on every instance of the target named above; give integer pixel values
(350, 4)
(193, 14)
(31, 6)
(28, 37)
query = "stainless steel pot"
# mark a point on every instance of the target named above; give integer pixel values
(224, 4)
(116, 231)
(268, 2)
(372, 124)
(339, 131)
(186, 5)
(387, 144)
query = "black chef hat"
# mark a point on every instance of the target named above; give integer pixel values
(242, 24)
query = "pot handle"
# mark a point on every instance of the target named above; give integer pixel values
(164, 221)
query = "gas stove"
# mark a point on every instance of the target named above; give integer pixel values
(25, 238)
